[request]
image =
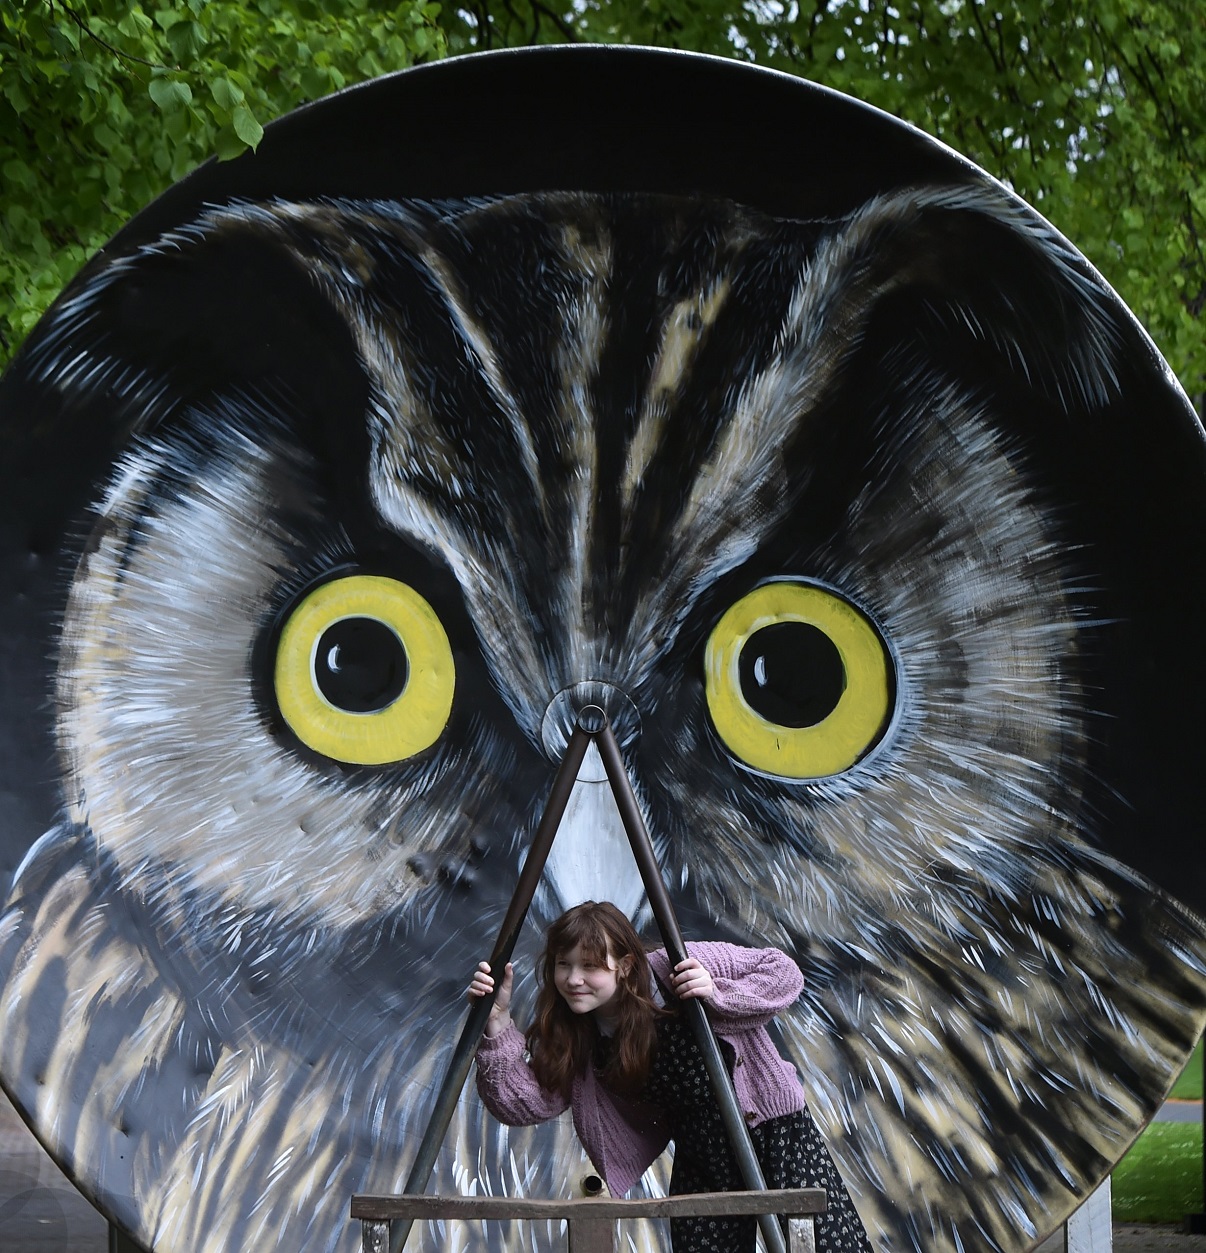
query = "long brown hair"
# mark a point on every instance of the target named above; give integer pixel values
(562, 1043)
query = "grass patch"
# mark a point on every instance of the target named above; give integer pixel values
(1189, 1086)
(1160, 1179)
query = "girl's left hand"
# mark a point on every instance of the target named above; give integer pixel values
(692, 981)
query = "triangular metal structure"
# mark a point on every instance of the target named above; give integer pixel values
(591, 725)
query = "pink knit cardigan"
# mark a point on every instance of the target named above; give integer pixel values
(623, 1137)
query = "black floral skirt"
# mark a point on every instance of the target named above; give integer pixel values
(789, 1148)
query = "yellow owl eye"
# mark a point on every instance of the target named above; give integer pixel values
(798, 681)
(364, 672)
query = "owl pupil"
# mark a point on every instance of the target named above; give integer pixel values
(360, 665)
(791, 674)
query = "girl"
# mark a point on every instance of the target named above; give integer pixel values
(625, 1062)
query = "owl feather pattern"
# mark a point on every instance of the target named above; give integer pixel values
(581, 427)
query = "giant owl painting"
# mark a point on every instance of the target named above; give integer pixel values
(351, 469)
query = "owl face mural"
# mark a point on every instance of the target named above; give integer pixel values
(841, 506)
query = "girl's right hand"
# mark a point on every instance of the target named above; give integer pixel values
(481, 985)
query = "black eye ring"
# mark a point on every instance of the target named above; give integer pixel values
(360, 665)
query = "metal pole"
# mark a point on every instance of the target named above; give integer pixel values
(595, 720)
(504, 946)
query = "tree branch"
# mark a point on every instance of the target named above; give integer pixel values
(563, 26)
(117, 52)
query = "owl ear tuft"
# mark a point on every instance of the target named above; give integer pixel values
(990, 291)
(195, 314)
(201, 320)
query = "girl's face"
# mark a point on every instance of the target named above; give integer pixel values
(584, 985)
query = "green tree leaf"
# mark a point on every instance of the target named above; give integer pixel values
(227, 94)
(246, 127)
(170, 93)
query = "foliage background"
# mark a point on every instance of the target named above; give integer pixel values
(1092, 110)
(105, 103)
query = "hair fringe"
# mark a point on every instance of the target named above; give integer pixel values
(561, 1043)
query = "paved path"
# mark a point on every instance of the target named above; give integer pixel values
(1138, 1238)
(1180, 1111)
(1134, 1238)
(40, 1210)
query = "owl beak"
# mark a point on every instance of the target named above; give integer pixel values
(591, 859)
